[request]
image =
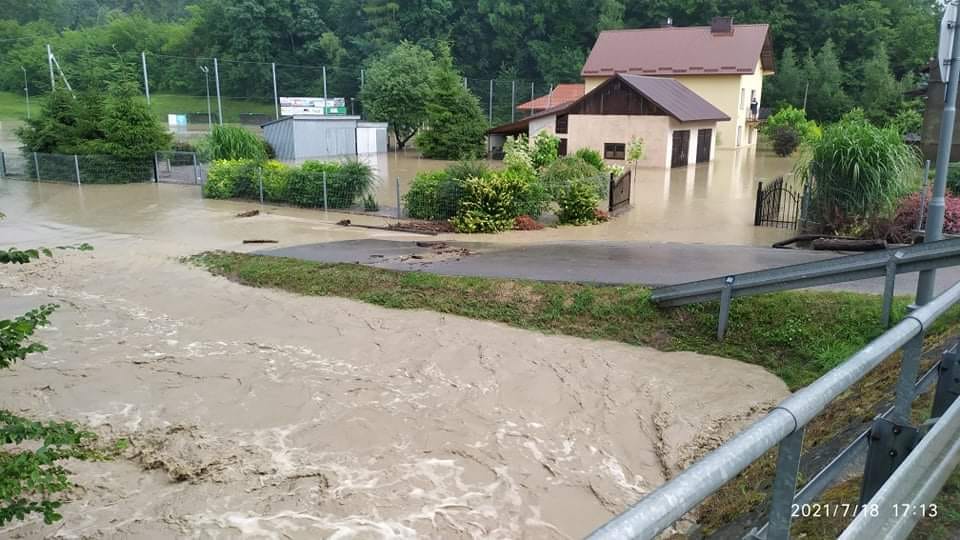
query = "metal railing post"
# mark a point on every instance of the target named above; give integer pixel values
(726, 295)
(156, 167)
(909, 370)
(36, 165)
(889, 284)
(76, 167)
(324, 191)
(785, 486)
(399, 205)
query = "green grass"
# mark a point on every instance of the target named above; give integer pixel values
(13, 106)
(797, 336)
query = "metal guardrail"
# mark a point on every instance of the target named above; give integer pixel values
(784, 425)
(838, 270)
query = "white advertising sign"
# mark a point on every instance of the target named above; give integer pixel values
(291, 106)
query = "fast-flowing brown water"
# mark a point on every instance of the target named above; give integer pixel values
(261, 413)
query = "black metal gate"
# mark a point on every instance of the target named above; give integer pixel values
(620, 191)
(778, 206)
(681, 148)
(704, 138)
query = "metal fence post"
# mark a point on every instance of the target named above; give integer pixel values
(399, 206)
(785, 486)
(513, 100)
(146, 81)
(610, 195)
(276, 97)
(3, 164)
(725, 296)
(36, 165)
(196, 169)
(324, 191)
(758, 206)
(490, 110)
(216, 80)
(888, 288)
(324, 89)
(156, 167)
(76, 167)
(260, 181)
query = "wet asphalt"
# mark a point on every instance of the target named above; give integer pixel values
(651, 264)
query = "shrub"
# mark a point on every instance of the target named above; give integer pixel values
(592, 157)
(516, 153)
(349, 183)
(526, 223)
(467, 169)
(489, 204)
(564, 171)
(858, 173)
(795, 119)
(275, 175)
(305, 183)
(422, 199)
(231, 178)
(232, 142)
(578, 203)
(370, 203)
(544, 150)
(785, 140)
(953, 178)
(905, 219)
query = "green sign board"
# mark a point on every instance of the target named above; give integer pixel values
(336, 111)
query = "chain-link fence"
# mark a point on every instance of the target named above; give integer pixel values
(76, 169)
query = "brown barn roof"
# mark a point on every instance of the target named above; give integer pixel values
(561, 95)
(681, 51)
(669, 94)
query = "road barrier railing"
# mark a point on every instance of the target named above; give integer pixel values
(889, 443)
(885, 264)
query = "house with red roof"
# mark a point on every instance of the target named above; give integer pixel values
(723, 63)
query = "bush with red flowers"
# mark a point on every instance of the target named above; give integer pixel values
(526, 223)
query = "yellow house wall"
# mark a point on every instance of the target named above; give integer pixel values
(723, 92)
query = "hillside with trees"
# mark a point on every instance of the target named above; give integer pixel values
(837, 54)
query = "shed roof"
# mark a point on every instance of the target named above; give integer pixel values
(561, 95)
(669, 94)
(681, 51)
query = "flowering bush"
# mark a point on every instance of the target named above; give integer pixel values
(526, 223)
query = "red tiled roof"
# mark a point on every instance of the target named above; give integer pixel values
(561, 95)
(681, 51)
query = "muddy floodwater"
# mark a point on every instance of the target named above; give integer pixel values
(261, 413)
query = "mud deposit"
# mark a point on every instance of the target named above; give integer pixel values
(260, 413)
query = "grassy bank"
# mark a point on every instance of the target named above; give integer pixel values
(797, 335)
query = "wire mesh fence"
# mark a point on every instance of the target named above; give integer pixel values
(76, 169)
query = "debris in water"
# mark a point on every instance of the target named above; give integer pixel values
(260, 241)
(344, 222)
(249, 213)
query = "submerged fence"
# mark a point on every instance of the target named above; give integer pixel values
(76, 168)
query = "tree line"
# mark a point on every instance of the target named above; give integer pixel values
(841, 48)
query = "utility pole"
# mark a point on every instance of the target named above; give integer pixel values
(216, 79)
(53, 80)
(934, 230)
(26, 90)
(146, 81)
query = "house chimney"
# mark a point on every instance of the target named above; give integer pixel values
(668, 24)
(721, 26)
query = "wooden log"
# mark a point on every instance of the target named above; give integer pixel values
(843, 244)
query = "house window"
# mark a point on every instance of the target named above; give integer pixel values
(562, 123)
(562, 149)
(614, 151)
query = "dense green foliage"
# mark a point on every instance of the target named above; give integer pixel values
(858, 173)
(347, 182)
(835, 46)
(397, 90)
(788, 128)
(455, 126)
(578, 203)
(232, 142)
(592, 157)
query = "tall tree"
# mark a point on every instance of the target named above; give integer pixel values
(787, 86)
(397, 90)
(827, 99)
(881, 94)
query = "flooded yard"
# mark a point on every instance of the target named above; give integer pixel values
(256, 412)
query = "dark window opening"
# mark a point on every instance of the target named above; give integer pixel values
(562, 149)
(562, 123)
(614, 151)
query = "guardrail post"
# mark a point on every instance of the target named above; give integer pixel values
(889, 443)
(725, 296)
(785, 486)
(948, 382)
(906, 384)
(76, 167)
(888, 288)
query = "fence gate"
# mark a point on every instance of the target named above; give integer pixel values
(778, 206)
(620, 192)
(178, 168)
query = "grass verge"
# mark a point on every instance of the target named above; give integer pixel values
(795, 335)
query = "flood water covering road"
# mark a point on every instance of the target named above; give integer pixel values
(258, 412)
